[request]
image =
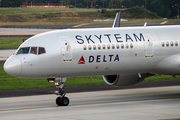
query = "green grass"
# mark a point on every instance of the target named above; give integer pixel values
(161, 77)
(52, 16)
(8, 82)
(16, 11)
(11, 42)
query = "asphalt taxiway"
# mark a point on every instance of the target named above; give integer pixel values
(159, 103)
(30, 30)
(75, 26)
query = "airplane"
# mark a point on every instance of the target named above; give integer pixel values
(122, 55)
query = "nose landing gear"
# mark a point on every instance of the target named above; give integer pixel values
(61, 100)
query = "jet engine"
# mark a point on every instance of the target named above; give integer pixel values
(125, 79)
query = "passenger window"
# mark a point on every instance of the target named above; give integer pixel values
(127, 45)
(176, 43)
(131, 45)
(23, 50)
(167, 44)
(117, 46)
(84, 47)
(41, 50)
(104, 47)
(162, 44)
(33, 50)
(122, 46)
(99, 47)
(113, 46)
(89, 47)
(94, 47)
(171, 43)
(108, 46)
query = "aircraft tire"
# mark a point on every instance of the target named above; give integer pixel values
(64, 101)
(58, 101)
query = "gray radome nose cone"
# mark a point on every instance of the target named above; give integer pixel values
(12, 66)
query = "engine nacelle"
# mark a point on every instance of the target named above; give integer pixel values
(125, 79)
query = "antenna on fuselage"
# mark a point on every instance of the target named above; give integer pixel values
(117, 20)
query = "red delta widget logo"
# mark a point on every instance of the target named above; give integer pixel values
(81, 60)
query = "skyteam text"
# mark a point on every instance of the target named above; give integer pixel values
(81, 39)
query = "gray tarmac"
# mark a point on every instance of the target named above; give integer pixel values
(159, 103)
(30, 30)
(8, 32)
(75, 26)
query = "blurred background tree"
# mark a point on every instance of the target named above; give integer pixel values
(163, 8)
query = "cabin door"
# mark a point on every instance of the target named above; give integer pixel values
(148, 46)
(66, 49)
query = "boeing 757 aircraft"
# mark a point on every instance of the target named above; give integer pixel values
(122, 55)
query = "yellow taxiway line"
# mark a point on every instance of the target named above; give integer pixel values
(79, 25)
(164, 22)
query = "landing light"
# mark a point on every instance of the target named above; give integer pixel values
(50, 80)
(57, 84)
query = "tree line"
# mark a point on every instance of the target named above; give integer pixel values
(163, 8)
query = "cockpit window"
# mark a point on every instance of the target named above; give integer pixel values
(41, 50)
(23, 50)
(33, 50)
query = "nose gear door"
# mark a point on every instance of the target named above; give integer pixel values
(66, 49)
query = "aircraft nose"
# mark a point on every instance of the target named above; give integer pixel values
(12, 66)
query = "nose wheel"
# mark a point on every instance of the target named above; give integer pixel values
(61, 100)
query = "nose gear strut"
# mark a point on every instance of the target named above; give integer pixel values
(61, 100)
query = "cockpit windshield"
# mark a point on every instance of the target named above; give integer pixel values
(23, 50)
(32, 50)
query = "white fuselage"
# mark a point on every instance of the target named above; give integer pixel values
(100, 51)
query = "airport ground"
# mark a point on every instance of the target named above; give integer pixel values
(75, 26)
(159, 103)
(155, 100)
